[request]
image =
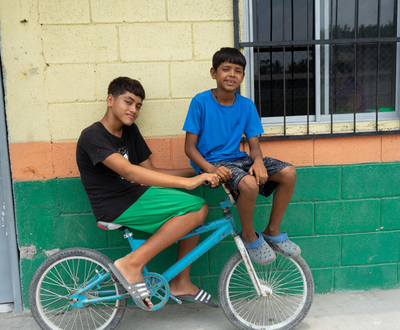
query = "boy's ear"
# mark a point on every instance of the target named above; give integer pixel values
(110, 100)
(213, 73)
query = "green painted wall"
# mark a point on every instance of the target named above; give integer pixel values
(345, 218)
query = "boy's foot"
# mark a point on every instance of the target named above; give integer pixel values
(201, 297)
(138, 290)
(283, 245)
(259, 251)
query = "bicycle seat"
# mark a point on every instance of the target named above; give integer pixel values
(108, 225)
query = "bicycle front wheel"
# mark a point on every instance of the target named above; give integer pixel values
(61, 275)
(290, 288)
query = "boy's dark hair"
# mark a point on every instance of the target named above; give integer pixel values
(121, 85)
(230, 55)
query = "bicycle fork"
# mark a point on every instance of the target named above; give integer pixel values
(262, 290)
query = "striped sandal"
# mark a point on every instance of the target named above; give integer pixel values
(201, 297)
(138, 290)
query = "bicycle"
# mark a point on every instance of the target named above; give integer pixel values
(74, 288)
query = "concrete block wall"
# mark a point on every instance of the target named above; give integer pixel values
(58, 58)
(348, 228)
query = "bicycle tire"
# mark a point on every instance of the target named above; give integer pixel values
(292, 287)
(60, 275)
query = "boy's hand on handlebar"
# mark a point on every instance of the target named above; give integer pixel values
(209, 179)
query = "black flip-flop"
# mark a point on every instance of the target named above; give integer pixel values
(200, 297)
(138, 290)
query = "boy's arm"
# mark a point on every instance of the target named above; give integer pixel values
(185, 172)
(191, 151)
(257, 169)
(138, 174)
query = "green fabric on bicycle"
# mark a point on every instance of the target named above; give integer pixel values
(156, 206)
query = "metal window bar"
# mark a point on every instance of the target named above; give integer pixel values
(377, 66)
(355, 64)
(308, 90)
(259, 81)
(331, 94)
(284, 70)
(284, 91)
(331, 42)
(331, 52)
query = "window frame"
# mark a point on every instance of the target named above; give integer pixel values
(322, 115)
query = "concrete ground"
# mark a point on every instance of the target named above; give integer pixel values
(353, 311)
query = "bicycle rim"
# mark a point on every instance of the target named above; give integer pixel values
(292, 293)
(63, 278)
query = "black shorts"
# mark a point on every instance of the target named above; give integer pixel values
(241, 167)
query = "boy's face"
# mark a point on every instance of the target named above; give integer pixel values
(125, 107)
(229, 76)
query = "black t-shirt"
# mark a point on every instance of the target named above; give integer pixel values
(109, 194)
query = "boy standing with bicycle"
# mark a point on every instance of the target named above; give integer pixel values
(125, 188)
(215, 124)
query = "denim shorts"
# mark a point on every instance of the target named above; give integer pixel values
(240, 168)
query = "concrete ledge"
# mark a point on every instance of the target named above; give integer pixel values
(46, 160)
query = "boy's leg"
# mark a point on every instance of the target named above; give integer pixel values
(169, 214)
(283, 174)
(131, 266)
(181, 284)
(260, 252)
(286, 180)
(246, 201)
(246, 189)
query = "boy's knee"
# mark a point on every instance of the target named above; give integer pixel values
(248, 187)
(290, 174)
(202, 214)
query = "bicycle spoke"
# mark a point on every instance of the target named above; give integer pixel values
(280, 305)
(65, 276)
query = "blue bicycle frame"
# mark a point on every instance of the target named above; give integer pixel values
(222, 228)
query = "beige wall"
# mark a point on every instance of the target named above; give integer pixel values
(59, 56)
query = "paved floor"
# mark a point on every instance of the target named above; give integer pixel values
(351, 311)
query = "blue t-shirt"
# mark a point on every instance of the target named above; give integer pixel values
(220, 127)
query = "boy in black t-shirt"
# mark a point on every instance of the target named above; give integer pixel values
(125, 188)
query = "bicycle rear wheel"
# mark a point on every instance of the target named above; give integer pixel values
(292, 292)
(61, 275)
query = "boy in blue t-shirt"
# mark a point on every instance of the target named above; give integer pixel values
(215, 124)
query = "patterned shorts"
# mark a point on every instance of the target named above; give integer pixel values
(241, 167)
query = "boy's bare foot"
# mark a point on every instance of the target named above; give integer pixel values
(178, 289)
(270, 232)
(131, 275)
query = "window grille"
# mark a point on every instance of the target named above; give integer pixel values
(321, 67)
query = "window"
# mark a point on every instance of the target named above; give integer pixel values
(322, 66)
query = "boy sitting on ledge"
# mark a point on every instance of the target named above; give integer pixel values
(215, 124)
